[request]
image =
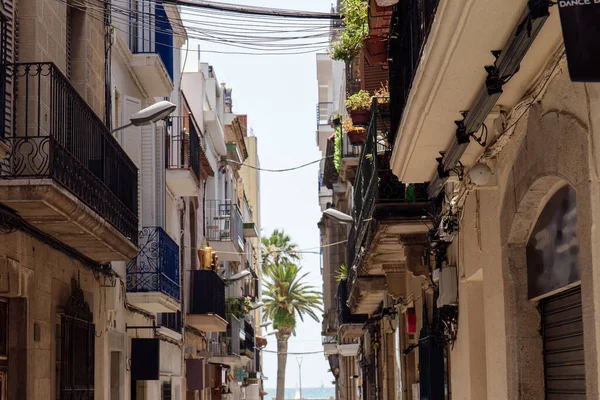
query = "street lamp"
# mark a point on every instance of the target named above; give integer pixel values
(149, 115)
(299, 361)
(338, 216)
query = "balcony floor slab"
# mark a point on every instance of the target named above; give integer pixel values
(153, 302)
(54, 210)
(207, 322)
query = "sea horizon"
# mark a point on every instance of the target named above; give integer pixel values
(325, 392)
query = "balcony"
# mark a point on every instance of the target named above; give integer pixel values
(386, 208)
(330, 345)
(248, 347)
(350, 325)
(228, 348)
(224, 229)
(153, 275)
(207, 301)
(330, 173)
(170, 324)
(350, 157)
(183, 156)
(66, 174)
(152, 51)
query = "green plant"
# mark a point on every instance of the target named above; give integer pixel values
(287, 296)
(355, 13)
(383, 93)
(359, 101)
(238, 306)
(337, 153)
(342, 273)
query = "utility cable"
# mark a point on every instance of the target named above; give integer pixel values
(278, 170)
(252, 10)
(302, 353)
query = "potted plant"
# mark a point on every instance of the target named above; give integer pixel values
(349, 43)
(383, 94)
(359, 105)
(356, 134)
(376, 50)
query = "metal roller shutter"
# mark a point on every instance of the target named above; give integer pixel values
(562, 329)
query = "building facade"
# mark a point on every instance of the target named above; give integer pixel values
(471, 252)
(105, 225)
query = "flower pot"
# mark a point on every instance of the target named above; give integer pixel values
(360, 117)
(357, 136)
(386, 3)
(376, 50)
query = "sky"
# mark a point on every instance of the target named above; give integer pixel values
(279, 94)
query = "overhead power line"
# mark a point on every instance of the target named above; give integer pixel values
(279, 170)
(252, 10)
(303, 353)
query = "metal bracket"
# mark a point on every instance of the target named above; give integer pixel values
(440, 169)
(462, 137)
(493, 82)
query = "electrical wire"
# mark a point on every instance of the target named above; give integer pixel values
(253, 10)
(258, 42)
(279, 170)
(302, 353)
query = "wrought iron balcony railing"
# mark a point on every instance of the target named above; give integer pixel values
(156, 267)
(55, 134)
(378, 194)
(224, 222)
(411, 23)
(183, 144)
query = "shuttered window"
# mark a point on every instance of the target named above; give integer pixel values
(562, 328)
(8, 55)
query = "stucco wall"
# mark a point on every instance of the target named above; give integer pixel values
(552, 145)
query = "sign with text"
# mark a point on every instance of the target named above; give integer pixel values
(580, 20)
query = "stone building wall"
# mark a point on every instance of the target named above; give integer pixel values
(552, 145)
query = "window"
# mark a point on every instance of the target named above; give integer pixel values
(115, 375)
(75, 341)
(166, 391)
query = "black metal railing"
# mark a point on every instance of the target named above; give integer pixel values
(377, 191)
(173, 321)
(224, 222)
(183, 144)
(207, 293)
(55, 134)
(156, 267)
(249, 340)
(324, 110)
(410, 26)
(345, 316)
(330, 173)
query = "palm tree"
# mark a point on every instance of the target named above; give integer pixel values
(278, 248)
(286, 296)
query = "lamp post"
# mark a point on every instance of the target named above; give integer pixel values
(299, 361)
(149, 115)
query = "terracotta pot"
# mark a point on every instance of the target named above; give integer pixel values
(357, 136)
(376, 50)
(360, 117)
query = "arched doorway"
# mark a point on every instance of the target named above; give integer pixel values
(553, 279)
